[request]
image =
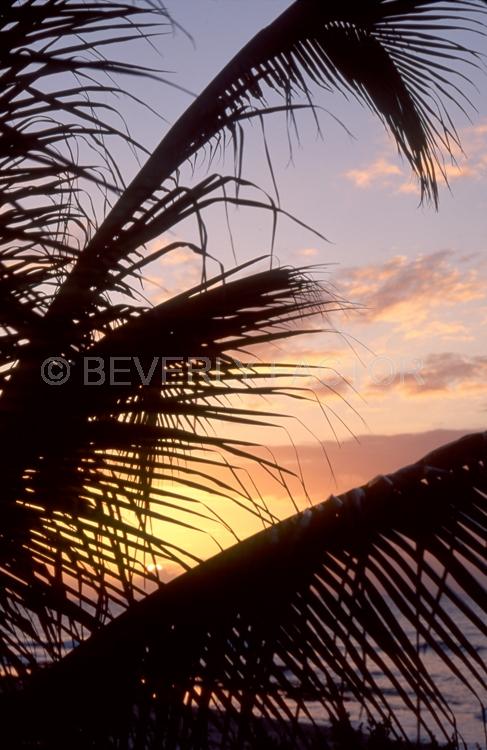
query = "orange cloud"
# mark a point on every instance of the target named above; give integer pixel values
(409, 187)
(468, 162)
(375, 172)
(408, 292)
(307, 252)
(439, 329)
(172, 274)
(335, 386)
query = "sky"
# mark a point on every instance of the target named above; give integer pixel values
(407, 369)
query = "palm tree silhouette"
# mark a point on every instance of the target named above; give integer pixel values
(298, 614)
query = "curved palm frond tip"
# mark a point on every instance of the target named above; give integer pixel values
(83, 470)
(289, 630)
(393, 56)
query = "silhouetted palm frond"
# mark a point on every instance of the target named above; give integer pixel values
(102, 464)
(57, 127)
(394, 56)
(346, 606)
(85, 471)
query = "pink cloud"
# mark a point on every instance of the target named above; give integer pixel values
(409, 292)
(441, 374)
(470, 162)
(377, 171)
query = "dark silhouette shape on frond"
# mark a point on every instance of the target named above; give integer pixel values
(80, 467)
(286, 629)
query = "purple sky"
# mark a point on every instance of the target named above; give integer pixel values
(419, 274)
(414, 355)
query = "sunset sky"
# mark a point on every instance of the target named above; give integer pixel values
(414, 353)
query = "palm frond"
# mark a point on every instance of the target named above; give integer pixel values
(57, 129)
(85, 471)
(98, 473)
(395, 56)
(294, 626)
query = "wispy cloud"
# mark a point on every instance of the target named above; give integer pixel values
(440, 329)
(450, 171)
(441, 374)
(410, 292)
(307, 252)
(175, 272)
(377, 172)
(469, 163)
